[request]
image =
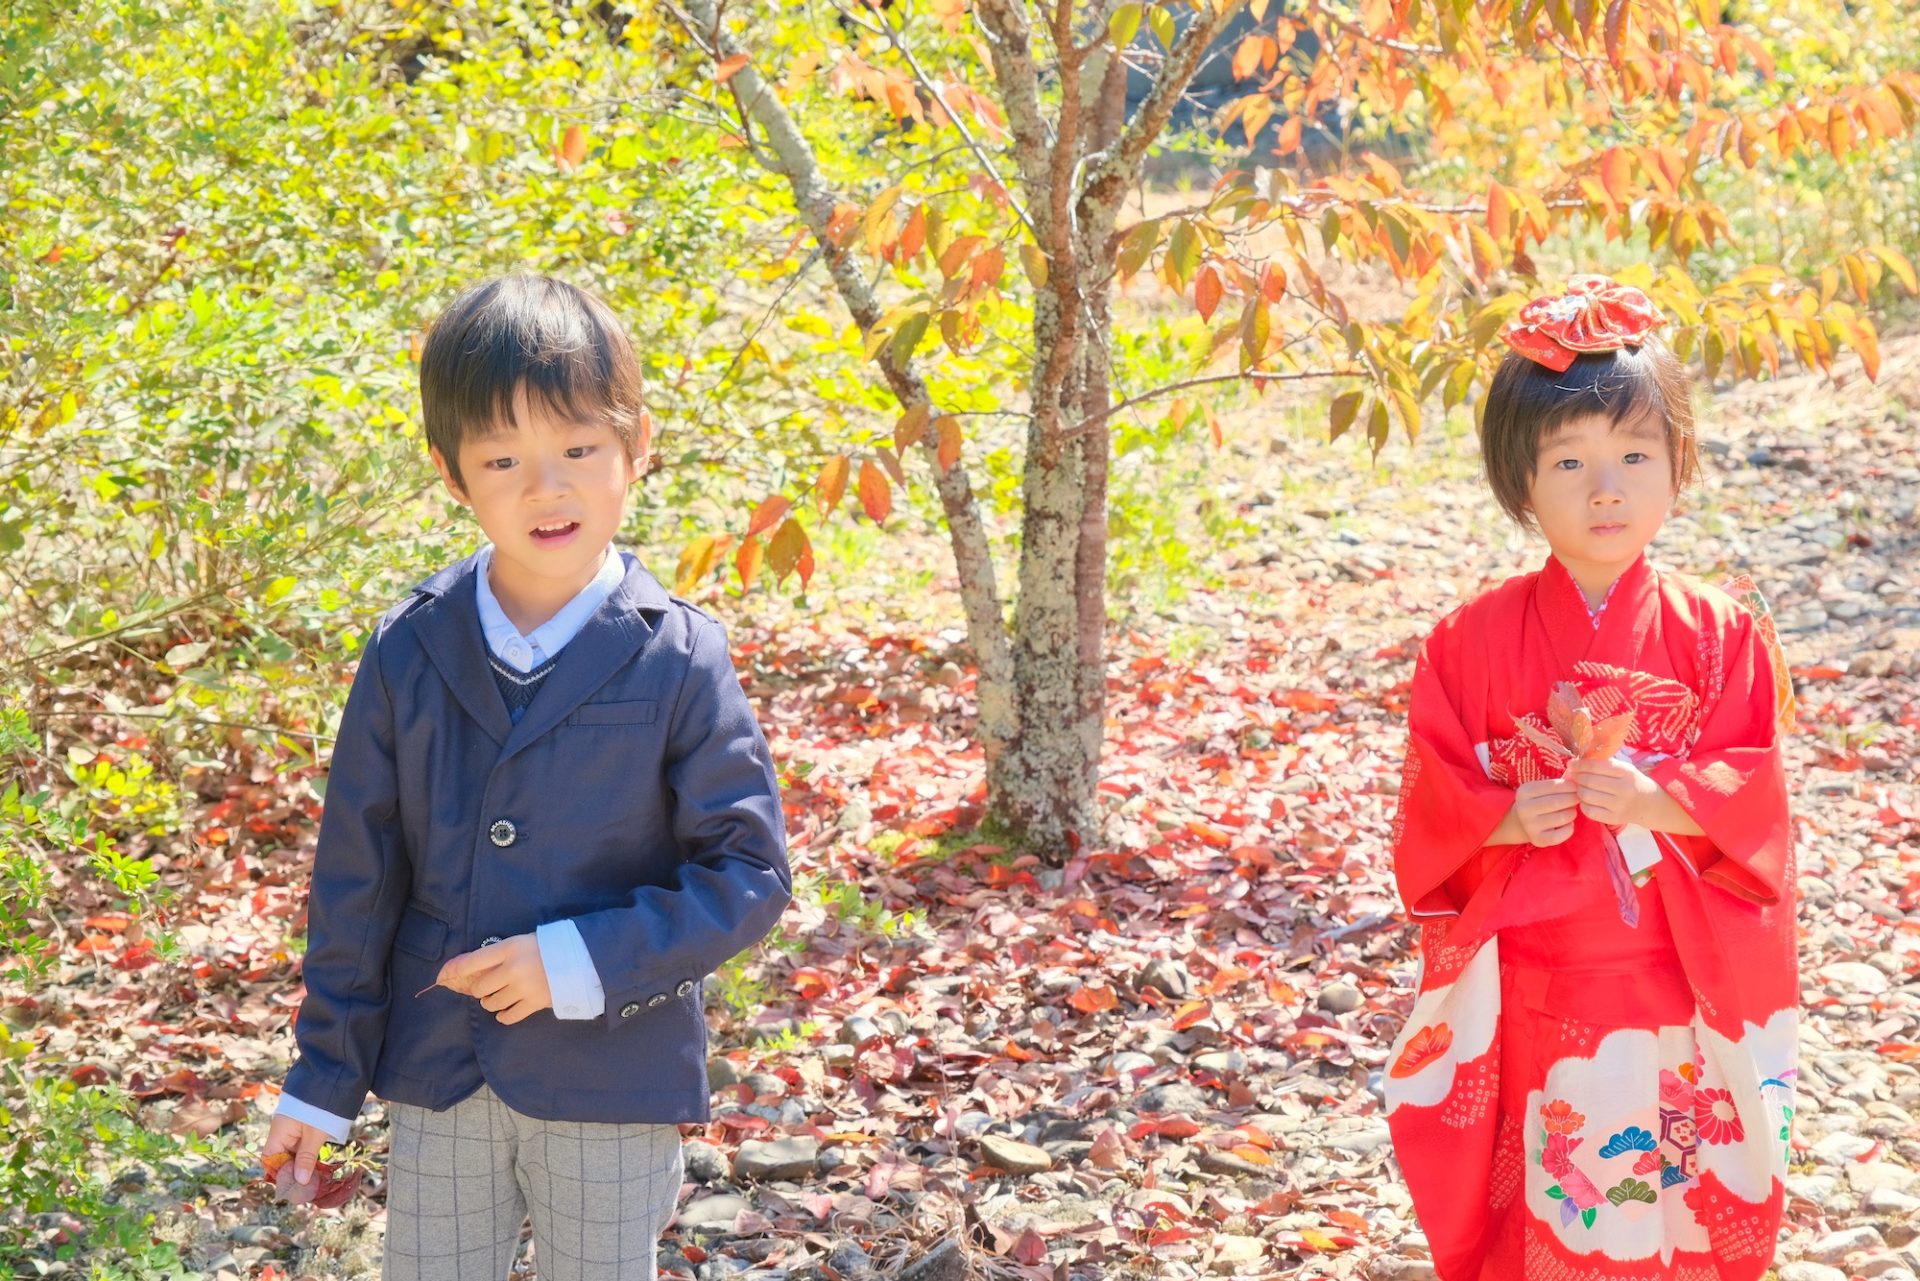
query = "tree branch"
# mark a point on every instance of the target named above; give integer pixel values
(795, 161)
(1092, 420)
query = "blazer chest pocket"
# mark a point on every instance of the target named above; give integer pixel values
(638, 712)
(420, 935)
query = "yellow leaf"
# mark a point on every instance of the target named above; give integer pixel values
(832, 485)
(1035, 263)
(948, 429)
(1897, 263)
(912, 425)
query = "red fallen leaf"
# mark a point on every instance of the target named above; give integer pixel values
(1301, 700)
(745, 1122)
(1347, 1219)
(810, 984)
(1109, 1151)
(693, 1253)
(1609, 736)
(1818, 673)
(1092, 1000)
(96, 943)
(89, 1074)
(1016, 1052)
(112, 922)
(1030, 1249)
(1191, 1013)
(1248, 1152)
(1901, 1051)
(329, 1189)
(1174, 1125)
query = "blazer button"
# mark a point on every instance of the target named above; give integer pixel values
(630, 1009)
(502, 833)
(685, 988)
(490, 940)
(658, 998)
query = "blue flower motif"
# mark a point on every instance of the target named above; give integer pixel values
(1631, 1139)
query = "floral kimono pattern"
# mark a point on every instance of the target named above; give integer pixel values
(1574, 1095)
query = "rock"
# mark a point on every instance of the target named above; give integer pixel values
(1231, 1253)
(776, 1159)
(269, 1235)
(1174, 1096)
(1841, 1146)
(1854, 976)
(720, 1267)
(858, 1031)
(1014, 1156)
(1889, 1200)
(1364, 1141)
(857, 814)
(1341, 998)
(945, 1262)
(1220, 1161)
(1836, 1246)
(1864, 1177)
(712, 1214)
(1397, 1269)
(1127, 1063)
(1221, 1062)
(1805, 1271)
(721, 1073)
(1166, 976)
(850, 1261)
(762, 1083)
(705, 1163)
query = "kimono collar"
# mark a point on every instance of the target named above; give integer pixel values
(1620, 631)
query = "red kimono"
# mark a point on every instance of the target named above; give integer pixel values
(1574, 1097)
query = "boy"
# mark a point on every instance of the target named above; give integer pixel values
(550, 814)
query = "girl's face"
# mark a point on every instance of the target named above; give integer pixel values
(1600, 492)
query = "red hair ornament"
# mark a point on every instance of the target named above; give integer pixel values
(1595, 314)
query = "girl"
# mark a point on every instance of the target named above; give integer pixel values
(1595, 1080)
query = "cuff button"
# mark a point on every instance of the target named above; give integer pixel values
(658, 998)
(630, 1009)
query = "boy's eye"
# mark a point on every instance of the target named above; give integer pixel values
(498, 464)
(581, 451)
(1567, 464)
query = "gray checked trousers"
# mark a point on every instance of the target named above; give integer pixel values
(460, 1183)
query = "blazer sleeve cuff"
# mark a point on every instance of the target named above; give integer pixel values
(572, 980)
(334, 1127)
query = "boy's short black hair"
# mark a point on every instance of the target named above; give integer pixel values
(565, 346)
(1527, 403)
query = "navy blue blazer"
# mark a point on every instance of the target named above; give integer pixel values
(635, 796)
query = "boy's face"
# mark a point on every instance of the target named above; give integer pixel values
(1601, 491)
(549, 494)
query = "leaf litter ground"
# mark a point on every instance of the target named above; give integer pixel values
(1162, 1059)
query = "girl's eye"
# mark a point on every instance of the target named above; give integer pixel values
(1636, 457)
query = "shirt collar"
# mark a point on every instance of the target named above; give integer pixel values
(548, 639)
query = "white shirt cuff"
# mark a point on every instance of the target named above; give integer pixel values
(571, 978)
(334, 1127)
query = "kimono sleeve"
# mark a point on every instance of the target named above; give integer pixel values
(1448, 805)
(1733, 781)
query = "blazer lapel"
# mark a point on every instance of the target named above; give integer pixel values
(448, 624)
(612, 636)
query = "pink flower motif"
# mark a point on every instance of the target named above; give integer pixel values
(1580, 1190)
(1714, 1114)
(1557, 1158)
(1675, 1091)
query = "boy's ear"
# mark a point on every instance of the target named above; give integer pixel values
(446, 476)
(642, 456)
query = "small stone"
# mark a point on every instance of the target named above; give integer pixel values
(1854, 976)
(763, 1083)
(1841, 1146)
(721, 1073)
(1231, 1253)
(858, 1031)
(1174, 1096)
(1167, 976)
(856, 814)
(1221, 1062)
(1364, 1141)
(712, 1214)
(945, 1262)
(1836, 1246)
(1801, 1270)
(850, 1261)
(1128, 1063)
(776, 1159)
(1341, 998)
(1889, 1201)
(1014, 1156)
(1396, 1269)
(705, 1163)
(262, 1234)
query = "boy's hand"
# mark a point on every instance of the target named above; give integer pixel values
(508, 977)
(1612, 791)
(288, 1135)
(1545, 810)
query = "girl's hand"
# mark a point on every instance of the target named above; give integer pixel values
(1613, 791)
(1544, 810)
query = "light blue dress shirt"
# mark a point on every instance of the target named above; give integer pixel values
(571, 976)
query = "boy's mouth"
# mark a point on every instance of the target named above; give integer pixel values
(554, 530)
